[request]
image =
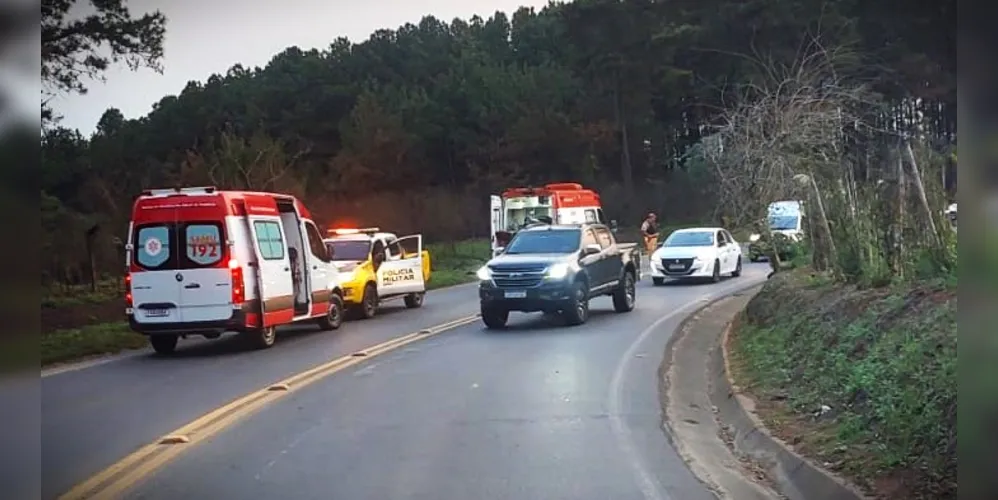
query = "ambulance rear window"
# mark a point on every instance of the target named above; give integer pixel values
(204, 243)
(152, 248)
(197, 243)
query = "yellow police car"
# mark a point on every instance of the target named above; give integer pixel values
(376, 267)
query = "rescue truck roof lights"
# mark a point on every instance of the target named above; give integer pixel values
(350, 230)
(180, 190)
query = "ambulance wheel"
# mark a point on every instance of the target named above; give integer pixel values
(369, 302)
(334, 315)
(163, 344)
(262, 338)
(414, 300)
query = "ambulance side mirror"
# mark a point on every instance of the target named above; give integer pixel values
(613, 225)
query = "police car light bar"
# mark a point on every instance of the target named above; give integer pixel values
(342, 231)
(179, 190)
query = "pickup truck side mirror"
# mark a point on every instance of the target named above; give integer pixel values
(498, 251)
(591, 250)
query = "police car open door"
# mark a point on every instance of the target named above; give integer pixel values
(405, 274)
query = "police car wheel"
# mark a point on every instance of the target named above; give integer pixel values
(163, 344)
(414, 300)
(369, 302)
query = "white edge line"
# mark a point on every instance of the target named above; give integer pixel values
(650, 487)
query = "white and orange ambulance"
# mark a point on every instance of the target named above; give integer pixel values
(557, 203)
(202, 261)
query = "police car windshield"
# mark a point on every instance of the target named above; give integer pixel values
(690, 239)
(349, 249)
(545, 241)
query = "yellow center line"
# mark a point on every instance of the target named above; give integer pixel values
(124, 474)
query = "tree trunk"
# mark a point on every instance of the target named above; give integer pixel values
(626, 169)
(920, 190)
(91, 258)
(832, 251)
(897, 213)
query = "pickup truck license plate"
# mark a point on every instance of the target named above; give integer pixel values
(157, 313)
(516, 294)
(676, 267)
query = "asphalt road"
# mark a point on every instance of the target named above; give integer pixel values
(538, 411)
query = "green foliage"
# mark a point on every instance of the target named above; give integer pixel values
(884, 360)
(74, 49)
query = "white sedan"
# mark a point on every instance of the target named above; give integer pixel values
(700, 252)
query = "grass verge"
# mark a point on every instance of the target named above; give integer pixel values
(863, 381)
(455, 263)
(75, 343)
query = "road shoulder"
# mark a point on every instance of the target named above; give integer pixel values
(689, 414)
(712, 423)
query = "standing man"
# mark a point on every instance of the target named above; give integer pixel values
(649, 231)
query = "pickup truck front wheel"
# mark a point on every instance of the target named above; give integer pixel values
(495, 318)
(623, 296)
(576, 311)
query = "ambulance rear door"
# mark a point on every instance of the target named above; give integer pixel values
(153, 257)
(204, 276)
(403, 275)
(497, 221)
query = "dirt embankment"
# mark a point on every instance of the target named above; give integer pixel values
(860, 380)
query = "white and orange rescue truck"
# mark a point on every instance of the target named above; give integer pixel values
(204, 262)
(376, 267)
(558, 203)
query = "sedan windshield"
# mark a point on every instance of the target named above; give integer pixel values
(349, 249)
(690, 239)
(546, 241)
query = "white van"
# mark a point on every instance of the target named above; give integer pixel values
(204, 262)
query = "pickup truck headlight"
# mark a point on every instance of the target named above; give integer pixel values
(484, 273)
(754, 238)
(558, 271)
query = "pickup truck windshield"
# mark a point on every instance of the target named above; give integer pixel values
(349, 249)
(690, 239)
(546, 241)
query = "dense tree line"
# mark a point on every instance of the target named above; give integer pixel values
(411, 128)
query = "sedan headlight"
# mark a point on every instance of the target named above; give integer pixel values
(484, 273)
(754, 238)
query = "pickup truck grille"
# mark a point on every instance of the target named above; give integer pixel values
(517, 275)
(669, 265)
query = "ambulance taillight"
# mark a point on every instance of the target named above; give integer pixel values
(238, 287)
(128, 290)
